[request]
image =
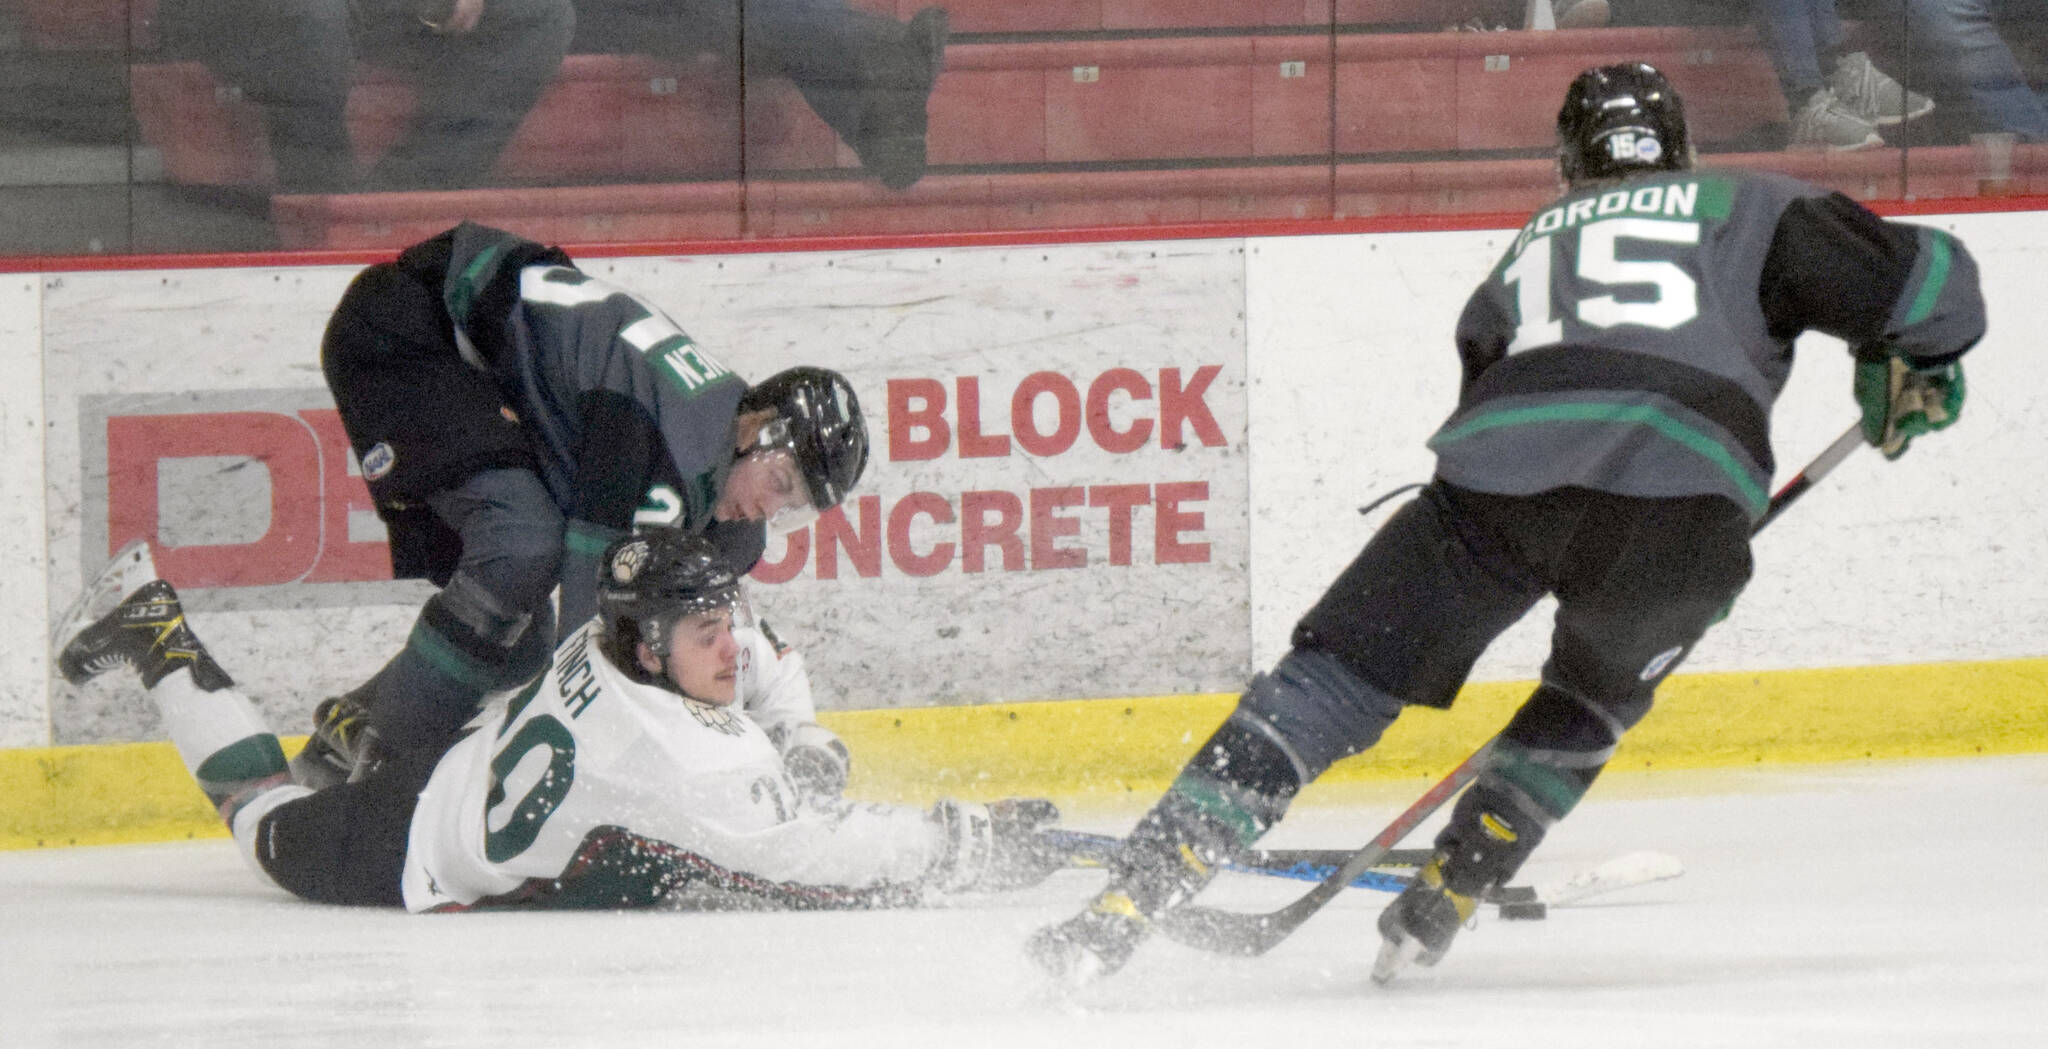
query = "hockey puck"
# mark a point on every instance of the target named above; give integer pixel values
(1534, 910)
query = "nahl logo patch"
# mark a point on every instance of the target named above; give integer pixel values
(378, 461)
(1661, 662)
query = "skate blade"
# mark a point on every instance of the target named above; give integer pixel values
(1395, 958)
(1087, 971)
(131, 568)
(1069, 967)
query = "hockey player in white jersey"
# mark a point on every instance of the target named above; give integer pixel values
(631, 774)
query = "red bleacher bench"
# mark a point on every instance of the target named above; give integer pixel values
(87, 25)
(563, 215)
(1060, 200)
(1036, 102)
(814, 207)
(1057, 16)
(603, 117)
(1211, 97)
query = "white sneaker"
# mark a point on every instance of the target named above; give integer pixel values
(1867, 92)
(1579, 14)
(1825, 123)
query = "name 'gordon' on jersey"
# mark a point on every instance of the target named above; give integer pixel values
(1680, 200)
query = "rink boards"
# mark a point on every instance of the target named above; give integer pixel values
(1101, 470)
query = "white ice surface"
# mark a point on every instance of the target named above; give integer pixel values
(1824, 908)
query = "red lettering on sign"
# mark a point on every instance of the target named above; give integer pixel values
(1023, 414)
(1035, 530)
(919, 427)
(313, 490)
(834, 532)
(972, 444)
(908, 561)
(1120, 500)
(1170, 522)
(796, 548)
(1048, 527)
(306, 464)
(342, 560)
(978, 532)
(1178, 404)
(928, 415)
(1107, 437)
(282, 446)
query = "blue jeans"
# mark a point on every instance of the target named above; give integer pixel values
(296, 58)
(1797, 33)
(1957, 57)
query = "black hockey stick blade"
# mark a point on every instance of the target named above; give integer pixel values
(1231, 932)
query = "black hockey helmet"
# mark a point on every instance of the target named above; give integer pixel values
(817, 418)
(655, 578)
(1618, 120)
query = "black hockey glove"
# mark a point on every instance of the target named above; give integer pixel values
(989, 848)
(1901, 402)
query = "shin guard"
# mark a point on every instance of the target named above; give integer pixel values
(220, 737)
(1237, 785)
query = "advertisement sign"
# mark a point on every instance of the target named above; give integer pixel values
(1054, 508)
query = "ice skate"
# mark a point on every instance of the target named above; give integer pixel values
(1417, 928)
(335, 749)
(146, 630)
(131, 567)
(1092, 944)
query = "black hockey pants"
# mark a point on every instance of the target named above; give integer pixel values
(1637, 582)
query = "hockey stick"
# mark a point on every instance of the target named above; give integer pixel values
(1822, 465)
(1249, 935)
(1093, 851)
(1515, 901)
(1088, 850)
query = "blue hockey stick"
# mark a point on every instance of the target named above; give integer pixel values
(1084, 849)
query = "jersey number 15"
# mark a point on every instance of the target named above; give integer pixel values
(1676, 299)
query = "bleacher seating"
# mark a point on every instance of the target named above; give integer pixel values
(604, 116)
(1070, 16)
(1036, 102)
(1052, 200)
(88, 25)
(1046, 130)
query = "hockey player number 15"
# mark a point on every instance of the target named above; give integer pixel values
(1677, 298)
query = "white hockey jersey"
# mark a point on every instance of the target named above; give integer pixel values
(590, 789)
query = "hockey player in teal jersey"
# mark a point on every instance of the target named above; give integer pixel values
(640, 770)
(1610, 447)
(513, 415)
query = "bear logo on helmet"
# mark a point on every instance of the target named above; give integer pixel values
(629, 560)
